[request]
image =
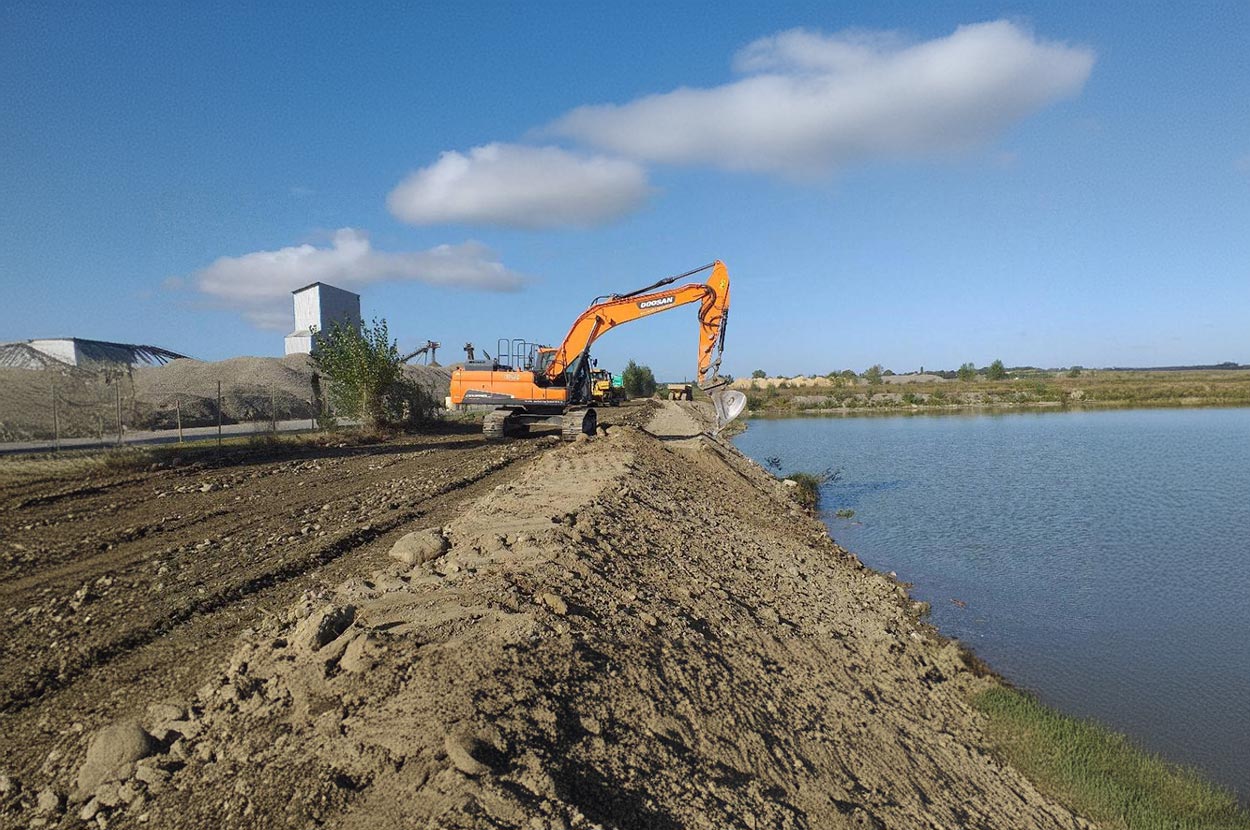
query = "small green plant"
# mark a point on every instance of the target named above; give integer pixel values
(806, 487)
(845, 513)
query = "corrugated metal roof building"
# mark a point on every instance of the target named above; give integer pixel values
(84, 354)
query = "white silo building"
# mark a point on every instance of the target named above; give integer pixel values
(317, 308)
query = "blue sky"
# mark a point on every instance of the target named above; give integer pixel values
(896, 183)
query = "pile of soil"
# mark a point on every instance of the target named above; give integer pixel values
(629, 633)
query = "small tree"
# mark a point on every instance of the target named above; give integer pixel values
(759, 373)
(996, 371)
(1074, 372)
(366, 375)
(873, 374)
(638, 381)
(967, 371)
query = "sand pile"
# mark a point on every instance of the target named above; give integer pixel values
(633, 633)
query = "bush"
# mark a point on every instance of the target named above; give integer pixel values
(639, 381)
(996, 371)
(873, 374)
(366, 375)
(759, 373)
(807, 489)
(807, 486)
(967, 372)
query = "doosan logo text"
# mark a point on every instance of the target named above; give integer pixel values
(656, 302)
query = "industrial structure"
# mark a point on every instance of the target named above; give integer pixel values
(54, 352)
(317, 308)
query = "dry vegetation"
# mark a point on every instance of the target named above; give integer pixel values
(1032, 389)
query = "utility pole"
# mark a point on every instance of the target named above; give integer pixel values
(56, 420)
(178, 409)
(117, 396)
(218, 414)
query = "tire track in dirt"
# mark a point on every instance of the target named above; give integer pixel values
(62, 632)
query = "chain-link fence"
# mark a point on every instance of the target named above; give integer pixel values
(190, 398)
(117, 405)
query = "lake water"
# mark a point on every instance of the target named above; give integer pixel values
(1102, 558)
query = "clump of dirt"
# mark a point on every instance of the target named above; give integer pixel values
(631, 633)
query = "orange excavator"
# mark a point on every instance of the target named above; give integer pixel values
(527, 383)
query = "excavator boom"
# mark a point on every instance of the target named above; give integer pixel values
(712, 295)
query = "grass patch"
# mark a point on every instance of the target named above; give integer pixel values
(1101, 774)
(807, 488)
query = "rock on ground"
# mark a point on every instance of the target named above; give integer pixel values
(420, 546)
(111, 749)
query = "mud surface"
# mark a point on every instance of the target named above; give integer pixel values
(620, 632)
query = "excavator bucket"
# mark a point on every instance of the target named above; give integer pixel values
(728, 404)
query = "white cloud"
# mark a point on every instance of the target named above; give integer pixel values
(259, 284)
(813, 103)
(520, 187)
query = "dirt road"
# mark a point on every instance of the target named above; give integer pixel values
(622, 632)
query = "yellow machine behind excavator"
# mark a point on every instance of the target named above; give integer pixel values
(605, 390)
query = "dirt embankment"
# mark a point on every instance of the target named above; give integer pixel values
(626, 632)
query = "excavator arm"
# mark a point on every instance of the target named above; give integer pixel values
(713, 297)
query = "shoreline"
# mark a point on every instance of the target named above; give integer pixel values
(639, 629)
(978, 409)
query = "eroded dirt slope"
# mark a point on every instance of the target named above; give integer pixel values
(630, 633)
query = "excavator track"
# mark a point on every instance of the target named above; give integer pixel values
(579, 422)
(494, 425)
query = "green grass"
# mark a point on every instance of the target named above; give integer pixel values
(807, 493)
(1101, 774)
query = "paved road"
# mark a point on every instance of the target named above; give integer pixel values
(160, 436)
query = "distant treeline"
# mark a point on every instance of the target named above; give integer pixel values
(1214, 366)
(1229, 365)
